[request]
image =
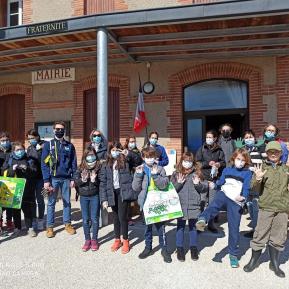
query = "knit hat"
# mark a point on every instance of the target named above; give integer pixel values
(273, 145)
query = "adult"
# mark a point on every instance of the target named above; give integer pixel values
(99, 143)
(271, 133)
(34, 152)
(58, 165)
(162, 156)
(133, 151)
(211, 156)
(226, 142)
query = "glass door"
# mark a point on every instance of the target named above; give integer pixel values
(194, 133)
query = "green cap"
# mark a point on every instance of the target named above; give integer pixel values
(273, 145)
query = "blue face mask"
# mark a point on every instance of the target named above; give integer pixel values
(19, 154)
(249, 142)
(6, 144)
(33, 142)
(153, 141)
(114, 154)
(131, 145)
(269, 135)
(96, 139)
(90, 158)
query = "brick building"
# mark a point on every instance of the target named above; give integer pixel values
(210, 61)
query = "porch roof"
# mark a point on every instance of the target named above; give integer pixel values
(247, 28)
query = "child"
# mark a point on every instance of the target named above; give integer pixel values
(116, 192)
(192, 193)
(234, 186)
(141, 181)
(87, 182)
(271, 182)
(18, 165)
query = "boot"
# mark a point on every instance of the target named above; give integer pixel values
(274, 262)
(94, 245)
(116, 245)
(167, 257)
(86, 246)
(181, 254)
(254, 261)
(212, 227)
(145, 253)
(194, 253)
(69, 229)
(49, 233)
(125, 247)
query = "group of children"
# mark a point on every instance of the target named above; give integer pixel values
(122, 174)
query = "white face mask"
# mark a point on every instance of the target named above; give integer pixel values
(209, 141)
(149, 161)
(187, 164)
(91, 165)
(239, 164)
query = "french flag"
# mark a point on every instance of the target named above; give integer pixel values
(140, 121)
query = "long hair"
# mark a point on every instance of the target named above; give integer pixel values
(127, 141)
(188, 156)
(244, 153)
(121, 160)
(83, 165)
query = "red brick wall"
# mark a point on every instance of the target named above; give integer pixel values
(78, 7)
(27, 11)
(188, 2)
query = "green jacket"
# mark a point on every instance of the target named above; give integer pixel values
(273, 188)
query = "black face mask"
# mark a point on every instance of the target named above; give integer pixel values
(226, 133)
(59, 133)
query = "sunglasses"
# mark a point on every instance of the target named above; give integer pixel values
(59, 129)
(95, 135)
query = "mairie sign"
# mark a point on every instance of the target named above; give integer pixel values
(47, 28)
(53, 75)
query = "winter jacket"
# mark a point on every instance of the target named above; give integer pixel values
(101, 151)
(64, 164)
(192, 197)
(141, 182)
(162, 156)
(28, 172)
(3, 156)
(134, 159)
(273, 188)
(228, 146)
(87, 188)
(205, 154)
(35, 154)
(125, 181)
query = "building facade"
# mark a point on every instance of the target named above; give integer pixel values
(231, 75)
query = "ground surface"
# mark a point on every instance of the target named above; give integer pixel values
(60, 263)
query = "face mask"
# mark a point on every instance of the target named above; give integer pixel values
(6, 144)
(239, 164)
(59, 133)
(33, 142)
(249, 142)
(90, 158)
(153, 141)
(269, 135)
(209, 141)
(149, 161)
(114, 154)
(19, 154)
(187, 164)
(131, 145)
(91, 165)
(96, 139)
(226, 133)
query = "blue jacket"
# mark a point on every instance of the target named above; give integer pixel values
(58, 161)
(243, 175)
(162, 155)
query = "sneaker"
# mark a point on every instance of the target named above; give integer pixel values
(166, 256)
(201, 225)
(194, 253)
(32, 233)
(40, 225)
(86, 246)
(69, 229)
(234, 261)
(181, 254)
(10, 226)
(50, 233)
(94, 245)
(145, 253)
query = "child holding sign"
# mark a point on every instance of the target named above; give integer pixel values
(143, 176)
(18, 165)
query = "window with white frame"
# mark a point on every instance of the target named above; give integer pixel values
(14, 12)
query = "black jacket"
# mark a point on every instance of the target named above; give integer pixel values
(205, 154)
(35, 155)
(134, 159)
(28, 172)
(3, 156)
(87, 188)
(101, 153)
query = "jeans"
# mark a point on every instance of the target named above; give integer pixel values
(40, 199)
(90, 208)
(234, 213)
(64, 186)
(181, 225)
(253, 209)
(161, 233)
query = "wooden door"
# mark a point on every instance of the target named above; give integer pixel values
(12, 116)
